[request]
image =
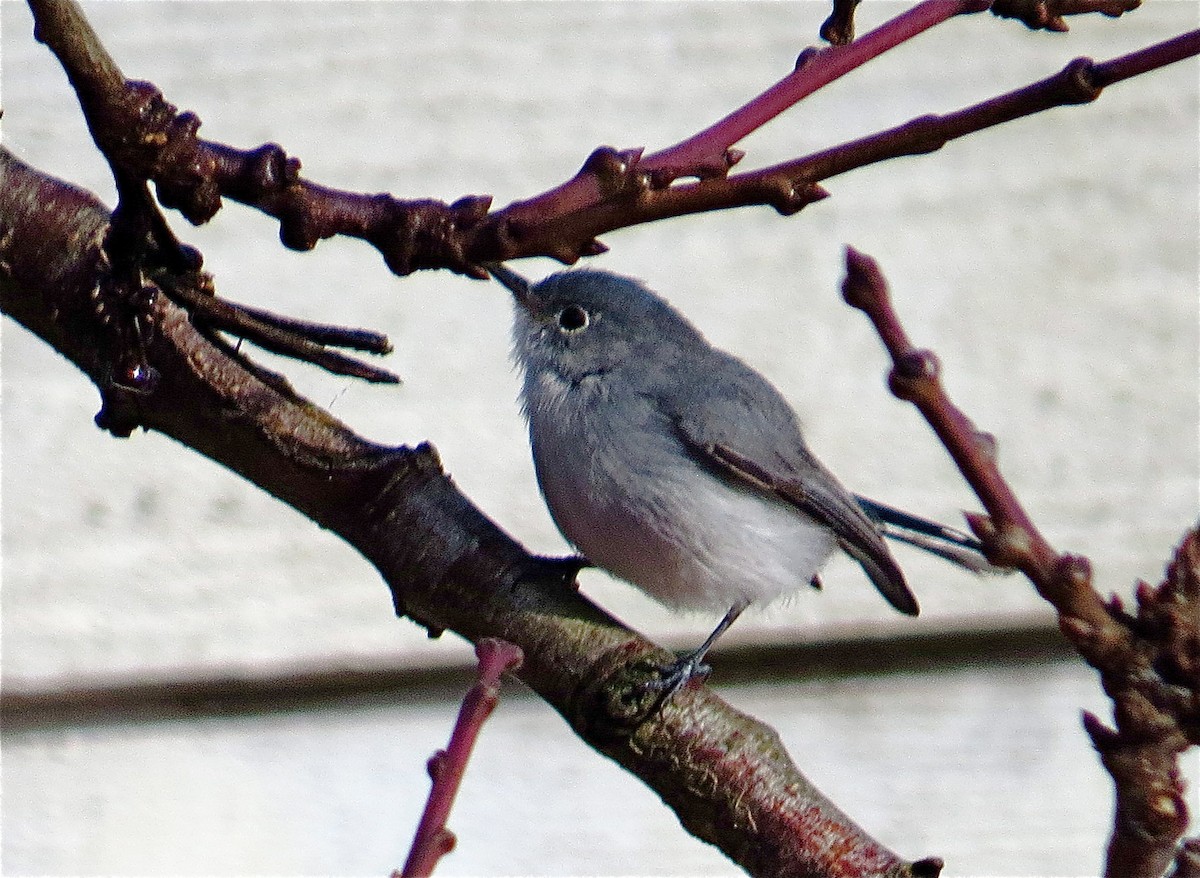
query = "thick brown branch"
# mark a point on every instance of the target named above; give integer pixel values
(145, 137)
(446, 564)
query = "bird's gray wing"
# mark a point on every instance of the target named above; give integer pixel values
(742, 429)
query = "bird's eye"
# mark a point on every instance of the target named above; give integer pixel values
(573, 318)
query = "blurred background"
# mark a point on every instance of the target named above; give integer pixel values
(1051, 263)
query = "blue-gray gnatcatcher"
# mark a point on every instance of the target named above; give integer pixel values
(677, 467)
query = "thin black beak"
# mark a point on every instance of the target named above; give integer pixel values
(516, 284)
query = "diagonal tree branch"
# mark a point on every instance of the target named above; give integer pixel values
(545, 222)
(1149, 663)
(446, 564)
(140, 131)
(446, 767)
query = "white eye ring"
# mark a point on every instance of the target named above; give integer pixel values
(573, 319)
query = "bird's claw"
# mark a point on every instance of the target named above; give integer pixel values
(672, 677)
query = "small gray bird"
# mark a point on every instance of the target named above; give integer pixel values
(678, 468)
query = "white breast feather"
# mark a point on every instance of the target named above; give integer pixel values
(683, 535)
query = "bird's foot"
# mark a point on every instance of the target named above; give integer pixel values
(671, 677)
(690, 665)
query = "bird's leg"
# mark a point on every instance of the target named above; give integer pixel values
(691, 664)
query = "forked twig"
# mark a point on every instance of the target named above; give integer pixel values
(613, 190)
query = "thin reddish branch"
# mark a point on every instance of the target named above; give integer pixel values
(563, 223)
(707, 153)
(1143, 61)
(1149, 663)
(1010, 536)
(142, 133)
(446, 767)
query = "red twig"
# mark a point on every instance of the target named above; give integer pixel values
(446, 767)
(1144, 60)
(1149, 663)
(707, 153)
(614, 189)
(148, 138)
(1010, 536)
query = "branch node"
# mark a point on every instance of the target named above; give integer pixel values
(1048, 14)
(436, 765)
(1103, 737)
(1079, 76)
(445, 841)
(914, 378)
(982, 526)
(865, 287)
(791, 196)
(496, 657)
(1074, 571)
(1013, 544)
(268, 168)
(615, 170)
(119, 412)
(471, 209)
(987, 446)
(808, 56)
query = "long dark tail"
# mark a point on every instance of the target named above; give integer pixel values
(938, 539)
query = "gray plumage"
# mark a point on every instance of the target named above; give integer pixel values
(676, 466)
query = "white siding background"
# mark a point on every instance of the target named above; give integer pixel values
(1052, 263)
